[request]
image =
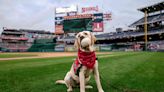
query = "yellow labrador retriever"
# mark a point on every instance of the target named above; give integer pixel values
(85, 64)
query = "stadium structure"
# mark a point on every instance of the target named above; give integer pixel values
(147, 33)
(21, 40)
(134, 40)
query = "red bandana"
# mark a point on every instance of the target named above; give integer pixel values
(87, 59)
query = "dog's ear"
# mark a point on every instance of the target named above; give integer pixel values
(76, 43)
(93, 39)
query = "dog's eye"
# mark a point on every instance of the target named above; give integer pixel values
(85, 33)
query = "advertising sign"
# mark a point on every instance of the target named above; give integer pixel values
(78, 16)
(58, 20)
(59, 25)
(105, 48)
(70, 48)
(89, 9)
(98, 17)
(107, 16)
(98, 27)
(61, 10)
(59, 29)
(98, 22)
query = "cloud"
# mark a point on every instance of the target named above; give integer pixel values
(39, 14)
(25, 14)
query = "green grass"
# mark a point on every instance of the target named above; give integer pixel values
(120, 72)
(14, 55)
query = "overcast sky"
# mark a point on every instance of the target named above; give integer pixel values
(39, 14)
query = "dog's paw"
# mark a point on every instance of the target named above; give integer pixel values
(69, 90)
(101, 90)
(88, 87)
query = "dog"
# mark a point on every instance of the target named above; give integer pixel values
(85, 64)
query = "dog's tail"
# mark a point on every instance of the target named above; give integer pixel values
(60, 82)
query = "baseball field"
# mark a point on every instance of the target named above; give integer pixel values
(120, 72)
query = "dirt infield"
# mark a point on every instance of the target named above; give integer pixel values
(45, 55)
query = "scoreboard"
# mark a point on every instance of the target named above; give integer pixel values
(77, 23)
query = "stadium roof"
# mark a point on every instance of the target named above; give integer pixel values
(153, 8)
(150, 19)
(27, 30)
(116, 35)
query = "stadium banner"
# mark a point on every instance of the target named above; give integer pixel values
(80, 16)
(97, 17)
(98, 22)
(70, 48)
(59, 49)
(71, 13)
(90, 9)
(105, 48)
(59, 29)
(62, 10)
(97, 48)
(59, 20)
(107, 16)
(98, 27)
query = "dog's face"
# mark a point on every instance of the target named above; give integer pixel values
(85, 41)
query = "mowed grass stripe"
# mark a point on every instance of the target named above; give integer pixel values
(141, 71)
(14, 55)
(23, 63)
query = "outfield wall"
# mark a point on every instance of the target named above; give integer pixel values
(71, 48)
(45, 45)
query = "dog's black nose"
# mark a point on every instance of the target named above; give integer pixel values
(81, 37)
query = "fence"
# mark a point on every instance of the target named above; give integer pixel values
(49, 46)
